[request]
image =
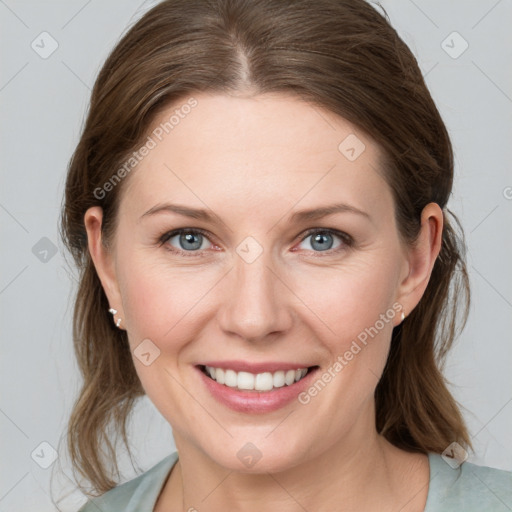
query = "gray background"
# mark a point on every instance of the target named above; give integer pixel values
(43, 101)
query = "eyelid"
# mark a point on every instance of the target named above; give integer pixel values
(171, 234)
(348, 241)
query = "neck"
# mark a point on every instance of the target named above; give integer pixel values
(364, 472)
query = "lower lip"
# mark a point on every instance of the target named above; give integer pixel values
(256, 402)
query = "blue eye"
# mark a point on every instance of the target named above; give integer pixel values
(190, 241)
(322, 240)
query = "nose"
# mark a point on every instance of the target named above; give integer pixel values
(255, 301)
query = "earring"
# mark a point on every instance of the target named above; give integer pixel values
(403, 316)
(114, 311)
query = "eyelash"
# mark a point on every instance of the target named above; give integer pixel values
(347, 240)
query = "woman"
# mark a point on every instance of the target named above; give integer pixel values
(258, 208)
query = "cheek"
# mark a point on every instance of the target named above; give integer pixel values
(160, 301)
(350, 298)
(170, 303)
(161, 304)
(355, 310)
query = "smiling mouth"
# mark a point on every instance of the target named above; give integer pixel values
(260, 382)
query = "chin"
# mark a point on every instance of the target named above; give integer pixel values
(254, 457)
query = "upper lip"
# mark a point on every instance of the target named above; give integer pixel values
(244, 366)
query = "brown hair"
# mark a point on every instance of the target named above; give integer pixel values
(342, 55)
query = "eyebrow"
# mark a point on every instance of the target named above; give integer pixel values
(298, 216)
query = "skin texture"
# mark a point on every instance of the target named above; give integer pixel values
(253, 162)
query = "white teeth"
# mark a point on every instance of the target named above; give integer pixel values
(245, 380)
(230, 378)
(278, 379)
(265, 381)
(220, 375)
(289, 378)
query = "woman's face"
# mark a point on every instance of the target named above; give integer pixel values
(261, 286)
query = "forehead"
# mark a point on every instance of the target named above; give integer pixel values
(260, 151)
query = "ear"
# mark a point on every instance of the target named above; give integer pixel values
(102, 258)
(421, 258)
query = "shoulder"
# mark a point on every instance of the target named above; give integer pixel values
(468, 487)
(136, 494)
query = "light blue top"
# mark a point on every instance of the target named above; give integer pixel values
(469, 488)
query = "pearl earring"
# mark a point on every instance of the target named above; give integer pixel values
(114, 311)
(403, 316)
